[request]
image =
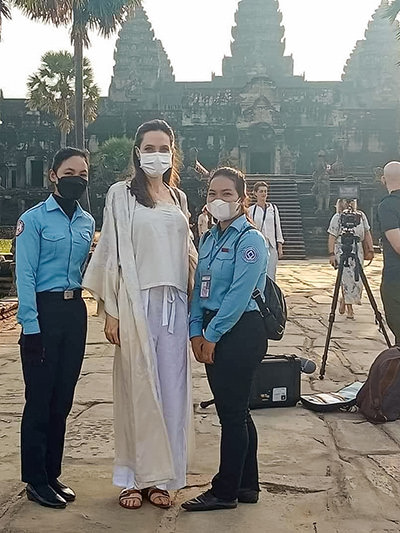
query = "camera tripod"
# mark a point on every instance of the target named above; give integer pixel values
(349, 242)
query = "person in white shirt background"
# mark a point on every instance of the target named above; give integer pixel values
(267, 220)
(204, 221)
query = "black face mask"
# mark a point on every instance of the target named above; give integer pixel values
(72, 187)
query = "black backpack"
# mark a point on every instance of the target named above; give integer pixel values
(379, 398)
(273, 308)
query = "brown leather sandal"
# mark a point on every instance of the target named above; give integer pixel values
(129, 497)
(154, 493)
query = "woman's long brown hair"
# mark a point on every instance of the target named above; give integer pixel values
(138, 185)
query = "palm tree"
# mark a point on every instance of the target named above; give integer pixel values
(83, 15)
(51, 89)
(114, 160)
(4, 12)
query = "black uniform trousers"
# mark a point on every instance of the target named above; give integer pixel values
(50, 384)
(237, 355)
(390, 293)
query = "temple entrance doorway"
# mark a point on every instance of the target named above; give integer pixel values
(260, 163)
(37, 173)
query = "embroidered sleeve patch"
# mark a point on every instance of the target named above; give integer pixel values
(20, 227)
(250, 255)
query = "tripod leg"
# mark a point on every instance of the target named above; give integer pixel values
(332, 316)
(372, 301)
(204, 405)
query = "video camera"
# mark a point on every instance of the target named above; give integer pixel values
(350, 217)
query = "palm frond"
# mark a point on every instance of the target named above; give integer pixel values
(53, 11)
(392, 10)
(105, 16)
(4, 10)
(4, 13)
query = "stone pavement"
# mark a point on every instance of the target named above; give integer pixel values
(320, 473)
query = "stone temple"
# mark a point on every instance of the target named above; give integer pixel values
(257, 116)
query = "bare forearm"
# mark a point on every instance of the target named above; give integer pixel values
(331, 244)
(393, 236)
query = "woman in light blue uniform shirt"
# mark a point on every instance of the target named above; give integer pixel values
(52, 246)
(227, 334)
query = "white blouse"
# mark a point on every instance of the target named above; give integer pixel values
(268, 228)
(160, 237)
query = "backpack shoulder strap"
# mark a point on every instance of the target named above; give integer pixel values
(204, 237)
(246, 229)
(276, 235)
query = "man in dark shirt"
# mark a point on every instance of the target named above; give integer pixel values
(389, 220)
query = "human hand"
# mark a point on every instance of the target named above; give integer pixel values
(111, 330)
(197, 343)
(333, 261)
(280, 250)
(207, 352)
(32, 347)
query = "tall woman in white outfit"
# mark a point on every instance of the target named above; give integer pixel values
(267, 220)
(139, 270)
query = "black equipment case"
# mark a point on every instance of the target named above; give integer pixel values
(276, 382)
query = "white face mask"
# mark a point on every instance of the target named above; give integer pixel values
(222, 210)
(155, 164)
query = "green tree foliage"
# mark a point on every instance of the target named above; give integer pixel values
(112, 162)
(51, 89)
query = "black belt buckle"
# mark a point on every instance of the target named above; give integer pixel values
(68, 295)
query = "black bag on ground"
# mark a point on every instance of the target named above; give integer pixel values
(379, 398)
(273, 309)
(276, 382)
(323, 402)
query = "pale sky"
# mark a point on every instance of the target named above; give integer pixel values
(196, 35)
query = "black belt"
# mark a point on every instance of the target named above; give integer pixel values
(72, 294)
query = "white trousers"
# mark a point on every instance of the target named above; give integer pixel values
(166, 309)
(272, 263)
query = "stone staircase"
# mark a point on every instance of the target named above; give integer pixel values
(284, 193)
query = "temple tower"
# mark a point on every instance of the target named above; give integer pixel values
(141, 62)
(259, 45)
(372, 74)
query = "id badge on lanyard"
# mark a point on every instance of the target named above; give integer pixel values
(205, 285)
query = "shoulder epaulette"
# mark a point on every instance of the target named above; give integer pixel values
(33, 208)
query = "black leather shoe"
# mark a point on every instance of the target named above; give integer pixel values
(248, 496)
(65, 492)
(45, 495)
(208, 502)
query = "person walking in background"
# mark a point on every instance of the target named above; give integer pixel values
(140, 273)
(52, 245)
(351, 288)
(389, 221)
(267, 220)
(228, 335)
(204, 222)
